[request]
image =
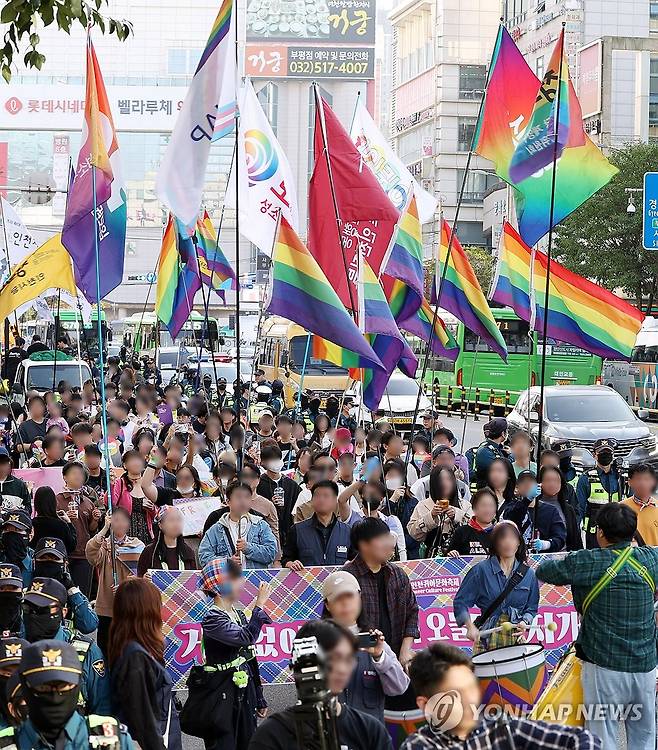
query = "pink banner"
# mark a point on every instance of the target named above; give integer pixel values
(50, 476)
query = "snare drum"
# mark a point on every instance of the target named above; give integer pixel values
(511, 676)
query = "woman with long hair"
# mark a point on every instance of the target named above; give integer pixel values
(168, 551)
(474, 537)
(434, 520)
(553, 492)
(141, 687)
(128, 493)
(48, 521)
(319, 439)
(505, 571)
(501, 479)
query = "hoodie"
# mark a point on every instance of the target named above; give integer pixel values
(14, 494)
(219, 541)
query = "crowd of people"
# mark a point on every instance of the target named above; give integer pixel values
(296, 488)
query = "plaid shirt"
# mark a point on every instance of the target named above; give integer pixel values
(517, 735)
(619, 630)
(401, 600)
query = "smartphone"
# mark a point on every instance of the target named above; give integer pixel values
(367, 640)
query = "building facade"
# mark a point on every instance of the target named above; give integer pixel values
(442, 49)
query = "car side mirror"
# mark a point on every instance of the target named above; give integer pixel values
(643, 414)
(534, 417)
(17, 388)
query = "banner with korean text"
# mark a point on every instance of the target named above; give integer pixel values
(296, 597)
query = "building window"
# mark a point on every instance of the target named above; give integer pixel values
(177, 61)
(268, 97)
(465, 132)
(472, 81)
(410, 144)
(540, 68)
(653, 92)
(477, 184)
(653, 10)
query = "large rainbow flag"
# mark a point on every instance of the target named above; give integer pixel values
(509, 104)
(178, 277)
(301, 292)
(579, 312)
(460, 293)
(214, 268)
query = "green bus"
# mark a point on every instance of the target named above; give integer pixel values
(478, 367)
(71, 326)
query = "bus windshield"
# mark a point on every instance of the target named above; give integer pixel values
(515, 333)
(313, 366)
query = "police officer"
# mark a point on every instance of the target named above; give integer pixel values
(224, 398)
(262, 395)
(559, 457)
(16, 529)
(11, 651)
(43, 616)
(11, 597)
(427, 428)
(51, 676)
(301, 411)
(345, 418)
(50, 561)
(495, 432)
(599, 486)
(565, 454)
(276, 399)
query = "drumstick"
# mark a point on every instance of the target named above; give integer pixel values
(507, 627)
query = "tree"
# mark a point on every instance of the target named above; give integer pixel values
(21, 17)
(603, 242)
(479, 257)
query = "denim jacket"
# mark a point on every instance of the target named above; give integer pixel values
(261, 544)
(482, 585)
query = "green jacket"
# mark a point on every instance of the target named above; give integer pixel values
(79, 734)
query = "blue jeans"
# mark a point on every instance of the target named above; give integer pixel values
(614, 692)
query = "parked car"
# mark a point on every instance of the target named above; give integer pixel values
(582, 415)
(399, 401)
(40, 374)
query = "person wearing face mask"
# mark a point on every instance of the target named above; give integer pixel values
(402, 502)
(239, 534)
(599, 486)
(225, 472)
(51, 677)
(188, 483)
(11, 599)
(565, 456)
(274, 486)
(50, 561)
(11, 652)
(14, 549)
(44, 607)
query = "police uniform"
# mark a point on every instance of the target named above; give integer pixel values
(54, 661)
(486, 454)
(595, 489)
(20, 519)
(11, 652)
(95, 683)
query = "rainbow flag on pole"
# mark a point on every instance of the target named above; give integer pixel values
(580, 312)
(215, 270)
(461, 294)
(300, 292)
(178, 277)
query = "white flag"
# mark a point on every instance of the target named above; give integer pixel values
(395, 179)
(207, 114)
(266, 181)
(19, 241)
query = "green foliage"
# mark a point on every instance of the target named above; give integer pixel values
(22, 16)
(603, 242)
(481, 260)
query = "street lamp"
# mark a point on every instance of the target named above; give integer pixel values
(631, 207)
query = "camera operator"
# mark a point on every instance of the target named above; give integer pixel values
(355, 730)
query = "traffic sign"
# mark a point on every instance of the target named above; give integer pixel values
(650, 211)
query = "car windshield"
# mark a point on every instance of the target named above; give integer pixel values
(401, 387)
(42, 378)
(594, 407)
(168, 359)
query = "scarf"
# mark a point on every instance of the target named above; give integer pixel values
(473, 523)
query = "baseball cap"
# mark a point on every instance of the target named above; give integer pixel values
(46, 591)
(495, 427)
(19, 518)
(563, 448)
(609, 443)
(447, 433)
(439, 450)
(50, 661)
(266, 413)
(526, 474)
(10, 575)
(11, 651)
(49, 545)
(342, 433)
(338, 583)
(426, 415)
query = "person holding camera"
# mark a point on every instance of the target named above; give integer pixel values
(334, 657)
(378, 672)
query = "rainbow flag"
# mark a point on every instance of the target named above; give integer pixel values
(461, 294)
(301, 293)
(539, 145)
(509, 104)
(580, 312)
(178, 277)
(215, 270)
(385, 338)
(405, 261)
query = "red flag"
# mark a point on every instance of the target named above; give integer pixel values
(367, 216)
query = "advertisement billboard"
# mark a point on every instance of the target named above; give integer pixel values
(292, 61)
(589, 78)
(328, 21)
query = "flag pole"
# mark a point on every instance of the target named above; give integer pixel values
(237, 391)
(444, 270)
(556, 125)
(325, 146)
(59, 302)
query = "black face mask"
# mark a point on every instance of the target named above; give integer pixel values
(15, 547)
(49, 712)
(565, 464)
(48, 569)
(10, 612)
(605, 458)
(41, 625)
